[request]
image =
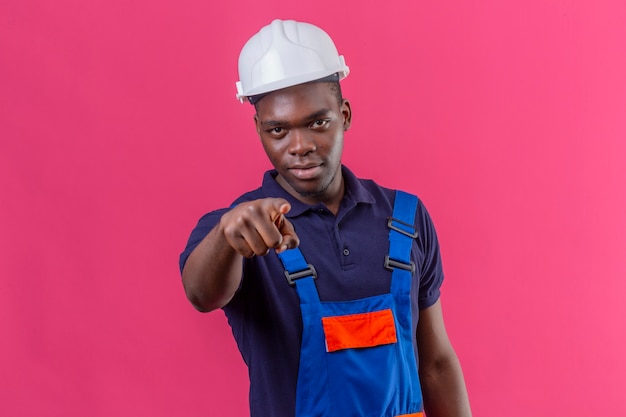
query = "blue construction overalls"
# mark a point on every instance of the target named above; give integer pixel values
(357, 357)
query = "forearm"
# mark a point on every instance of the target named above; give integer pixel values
(444, 390)
(212, 272)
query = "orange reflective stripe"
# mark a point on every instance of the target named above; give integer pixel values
(359, 330)
(420, 414)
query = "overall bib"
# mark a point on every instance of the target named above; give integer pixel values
(357, 357)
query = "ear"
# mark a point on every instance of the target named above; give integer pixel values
(346, 111)
(257, 125)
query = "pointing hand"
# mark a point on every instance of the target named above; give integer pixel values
(255, 227)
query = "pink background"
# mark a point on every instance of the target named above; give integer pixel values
(119, 128)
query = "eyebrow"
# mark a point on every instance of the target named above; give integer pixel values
(311, 117)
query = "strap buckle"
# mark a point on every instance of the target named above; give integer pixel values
(390, 264)
(308, 272)
(390, 224)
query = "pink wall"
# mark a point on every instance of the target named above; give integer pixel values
(119, 128)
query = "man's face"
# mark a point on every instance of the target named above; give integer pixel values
(301, 129)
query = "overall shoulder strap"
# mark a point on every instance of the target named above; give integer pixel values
(402, 232)
(301, 274)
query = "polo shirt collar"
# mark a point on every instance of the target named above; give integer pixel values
(355, 192)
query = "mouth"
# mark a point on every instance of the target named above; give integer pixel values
(305, 172)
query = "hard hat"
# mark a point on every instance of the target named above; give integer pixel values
(286, 53)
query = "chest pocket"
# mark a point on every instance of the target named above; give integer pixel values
(359, 330)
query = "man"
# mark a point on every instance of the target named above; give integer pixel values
(330, 283)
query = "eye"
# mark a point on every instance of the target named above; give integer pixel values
(320, 123)
(276, 132)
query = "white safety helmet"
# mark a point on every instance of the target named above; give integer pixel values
(287, 53)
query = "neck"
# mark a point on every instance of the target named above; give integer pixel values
(334, 201)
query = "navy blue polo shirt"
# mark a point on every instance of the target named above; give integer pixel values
(348, 252)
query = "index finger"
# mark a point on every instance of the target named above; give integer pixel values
(279, 207)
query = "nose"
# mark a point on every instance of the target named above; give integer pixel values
(301, 142)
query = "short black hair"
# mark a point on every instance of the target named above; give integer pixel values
(336, 88)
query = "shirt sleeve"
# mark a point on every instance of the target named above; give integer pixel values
(431, 269)
(204, 226)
